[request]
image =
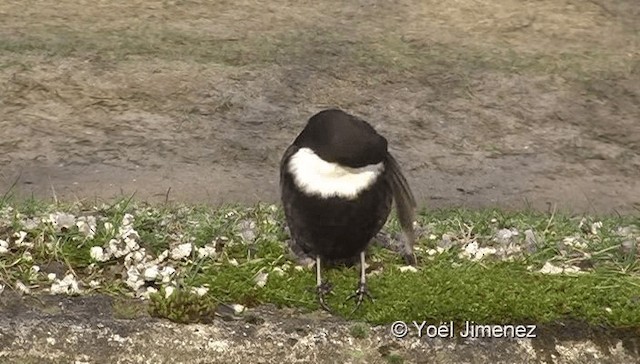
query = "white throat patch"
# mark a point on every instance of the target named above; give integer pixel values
(315, 176)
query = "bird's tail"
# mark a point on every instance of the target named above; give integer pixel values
(405, 206)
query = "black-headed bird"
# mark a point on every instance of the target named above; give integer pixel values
(338, 181)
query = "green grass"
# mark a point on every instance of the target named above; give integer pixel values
(505, 287)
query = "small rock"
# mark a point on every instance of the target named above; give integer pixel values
(472, 248)
(30, 224)
(149, 291)
(168, 291)
(408, 268)
(261, 279)
(27, 256)
(627, 231)
(595, 227)
(151, 273)
(445, 242)
(20, 236)
(68, 285)
(572, 270)
(208, 250)
(62, 220)
(22, 288)
(549, 268)
(628, 246)
(503, 236)
(98, 254)
(247, 230)
(238, 308)
(200, 291)
(4, 247)
(167, 273)
(181, 251)
(87, 225)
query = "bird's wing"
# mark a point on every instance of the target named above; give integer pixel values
(405, 206)
(290, 151)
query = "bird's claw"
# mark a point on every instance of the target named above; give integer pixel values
(359, 295)
(322, 290)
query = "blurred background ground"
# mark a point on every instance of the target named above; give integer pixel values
(509, 103)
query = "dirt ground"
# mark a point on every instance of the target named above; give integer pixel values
(508, 103)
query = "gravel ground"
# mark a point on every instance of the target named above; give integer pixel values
(59, 329)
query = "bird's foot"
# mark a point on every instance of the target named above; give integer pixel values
(410, 259)
(322, 290)
(359, 295)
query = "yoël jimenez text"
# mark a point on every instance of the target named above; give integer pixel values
(471, 329)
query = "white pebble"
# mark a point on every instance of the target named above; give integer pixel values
(133, 278)
(62, 220)
(238, 308)
(471, 248)
(164, 255)
(149, 291)
(168, 291)
(261, 279)
(108, 226)
(549, 268)
(68, 285)
(4, 247)
(166, 273)
(51, 276)
(206, 251)
(200, 291)
(20, 236)
(595, 227)
(151, 273)
(127, 219)
(87, 225)
(22, 288)
(97, 253)
(408, 268)
(181, 251)
(483, 252)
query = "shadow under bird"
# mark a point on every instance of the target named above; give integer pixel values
(338, 182)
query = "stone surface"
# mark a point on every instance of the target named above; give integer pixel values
(61, 329)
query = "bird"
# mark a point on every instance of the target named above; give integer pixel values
(338, 182)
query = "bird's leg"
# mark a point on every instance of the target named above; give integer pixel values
(322, 288)
(362, 291)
